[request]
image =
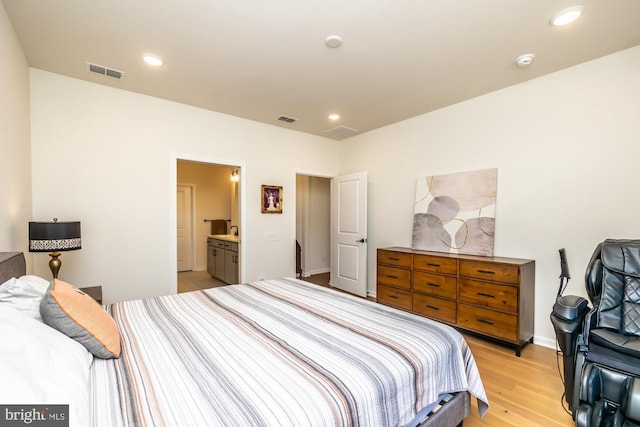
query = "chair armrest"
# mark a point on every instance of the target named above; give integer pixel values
(589, 323)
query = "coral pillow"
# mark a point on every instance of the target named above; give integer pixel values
(77, 315)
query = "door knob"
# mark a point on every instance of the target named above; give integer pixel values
(361, 241)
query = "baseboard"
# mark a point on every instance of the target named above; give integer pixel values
(545, 342)
(317, 271)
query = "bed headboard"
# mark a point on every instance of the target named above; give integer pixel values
(12, 264)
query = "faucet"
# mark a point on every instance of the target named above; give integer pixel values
(232, 227)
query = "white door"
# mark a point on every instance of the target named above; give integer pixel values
(349, 233)
(184, 203)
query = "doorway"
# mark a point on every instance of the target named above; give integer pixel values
(313, 228)
(215, 208)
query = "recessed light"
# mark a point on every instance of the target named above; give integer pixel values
(524, 60)
(334, 116)
(152, 59)
(566, 16)
(333, 41)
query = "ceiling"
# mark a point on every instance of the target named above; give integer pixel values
(260, 60)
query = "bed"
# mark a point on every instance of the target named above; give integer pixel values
(271, 353)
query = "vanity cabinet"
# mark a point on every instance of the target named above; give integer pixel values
(491, 296)
(218, 260)
(222, 260)
(231, 262)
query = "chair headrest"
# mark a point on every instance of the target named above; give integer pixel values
(622, 257)
(618, 255)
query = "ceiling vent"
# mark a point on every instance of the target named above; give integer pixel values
(341, 132)
(287, 119)
(109, 72)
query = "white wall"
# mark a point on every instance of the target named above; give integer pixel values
(15, 151)
(107, 157)
(566, 146)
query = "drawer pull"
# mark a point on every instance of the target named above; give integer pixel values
(392, 277)
(488, 322)
(394, 259)
(433, 307)
(431, 264)
(482, 294)
(486, 271)
(435, 285)
(393, 296)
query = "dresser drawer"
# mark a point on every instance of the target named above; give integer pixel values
(489, 322)
(394, 276)
(434, 307)
(436, 284)
(394, 297)
(435, 264)
(398, 259)
(491, 295)
(489, 271)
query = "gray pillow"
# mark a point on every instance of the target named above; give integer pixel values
(74, 313)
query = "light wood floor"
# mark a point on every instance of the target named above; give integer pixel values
(196, 280)
(523, 391)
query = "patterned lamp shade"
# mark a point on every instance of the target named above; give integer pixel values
(54, 236)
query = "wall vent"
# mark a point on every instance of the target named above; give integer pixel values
(109, 72)
(341, 132)
(287, 119)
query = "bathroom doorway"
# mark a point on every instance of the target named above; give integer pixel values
(215, 208)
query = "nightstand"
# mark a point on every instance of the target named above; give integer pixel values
(94, 292)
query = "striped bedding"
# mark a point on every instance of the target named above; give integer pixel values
(276, 353)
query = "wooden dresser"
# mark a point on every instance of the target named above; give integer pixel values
(491, 296)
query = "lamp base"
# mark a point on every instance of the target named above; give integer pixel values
(55, 263)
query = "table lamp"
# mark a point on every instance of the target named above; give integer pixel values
(53, 237)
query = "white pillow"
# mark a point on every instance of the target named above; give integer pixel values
(24, 294)
(42, 366)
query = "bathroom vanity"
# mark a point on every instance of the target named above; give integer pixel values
(223, 257)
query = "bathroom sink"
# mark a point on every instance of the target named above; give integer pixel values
(227, 237)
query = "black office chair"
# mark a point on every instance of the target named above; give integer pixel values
(606, 348)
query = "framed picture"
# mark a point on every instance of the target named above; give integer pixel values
(271, 199)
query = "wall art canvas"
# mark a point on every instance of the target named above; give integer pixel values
(455, 213)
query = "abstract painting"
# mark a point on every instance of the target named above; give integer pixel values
(455, 213)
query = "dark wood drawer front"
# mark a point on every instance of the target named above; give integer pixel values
(492, 295)
(394, 258)
(489, 322)
(435, 264)
(436, 284)
(394, 276)
(489, 271)
(434, 307)
(394, 297)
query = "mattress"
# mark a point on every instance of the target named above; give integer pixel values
(276, 353)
